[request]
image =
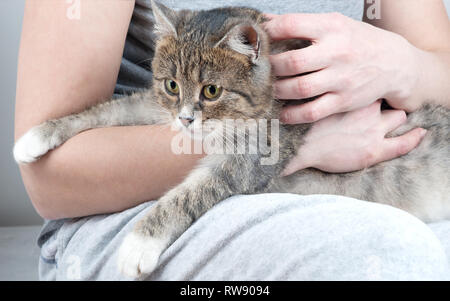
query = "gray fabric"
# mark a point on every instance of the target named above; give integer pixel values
(18, 253)
(274, 237)
(262, 237)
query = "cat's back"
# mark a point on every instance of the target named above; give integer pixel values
(436, 120)
(418, 182)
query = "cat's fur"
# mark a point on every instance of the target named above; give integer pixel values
(229, 48)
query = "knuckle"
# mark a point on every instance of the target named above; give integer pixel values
(304, 88)
(289, 24)
(372, 134)
(311, 114)
(347, 82)
(344, 52)
(296, 62)
(370, 156)
(286, 116)
(336, 15)
(337, 20)
(345, 103)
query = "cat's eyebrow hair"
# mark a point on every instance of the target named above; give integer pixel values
(173, 70)
(201, 75)
(246, 96)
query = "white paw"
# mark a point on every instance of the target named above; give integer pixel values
(138, 255)
(31, 146)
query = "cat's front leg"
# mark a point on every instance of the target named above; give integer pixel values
(131, 110)
(180, 207)
(140, 251)
(36, 142)
(172, 215)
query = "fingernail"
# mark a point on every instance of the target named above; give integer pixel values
(283, 117)
(276, 90)
(423, 133)
(287, 171)
(286, 118)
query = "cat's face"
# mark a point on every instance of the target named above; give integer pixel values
(206, 75)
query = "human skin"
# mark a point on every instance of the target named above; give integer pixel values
(352, 64)
(67, 65)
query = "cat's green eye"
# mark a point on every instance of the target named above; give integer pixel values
(211, 91)
(172, 87)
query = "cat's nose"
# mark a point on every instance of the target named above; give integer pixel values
(186, 121)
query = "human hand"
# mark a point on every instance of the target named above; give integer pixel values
(352, 64)
(354, 140)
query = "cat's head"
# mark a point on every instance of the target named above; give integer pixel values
(214, 62)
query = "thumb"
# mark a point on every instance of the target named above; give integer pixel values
(401, 145)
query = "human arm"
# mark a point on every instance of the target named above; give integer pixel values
(65, 66)
(426, 26)
(353, 64)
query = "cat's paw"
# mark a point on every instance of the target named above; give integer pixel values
(32, 145)
(138, 255)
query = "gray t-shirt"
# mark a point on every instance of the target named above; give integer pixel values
(135, 70)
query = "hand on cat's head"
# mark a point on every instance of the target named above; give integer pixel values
(349, 65)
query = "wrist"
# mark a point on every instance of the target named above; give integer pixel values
(432, 78)
(406, 75)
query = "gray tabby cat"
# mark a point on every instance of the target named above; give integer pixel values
(216, 62)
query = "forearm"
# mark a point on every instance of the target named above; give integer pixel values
(426, 27)
(426, 78)
(434, 78)
(65, 66)
(105, 170)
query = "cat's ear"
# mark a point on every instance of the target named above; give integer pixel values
(243, 38)
(165, 19)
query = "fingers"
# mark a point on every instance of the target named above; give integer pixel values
(270, 16)
(322, 107)
(293, 166)
(401, 145)
(305, 86)
(306, 157)
(392, 119)
(299, 61)
(365, 113)
(294, 26)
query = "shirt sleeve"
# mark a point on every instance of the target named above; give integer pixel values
(135, 70)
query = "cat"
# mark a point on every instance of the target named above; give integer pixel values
(217, 62)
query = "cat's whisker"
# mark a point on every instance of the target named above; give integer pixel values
(143, 61)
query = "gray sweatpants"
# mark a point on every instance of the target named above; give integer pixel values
(261, 237)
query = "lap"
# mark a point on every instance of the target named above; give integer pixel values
(260, 237)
